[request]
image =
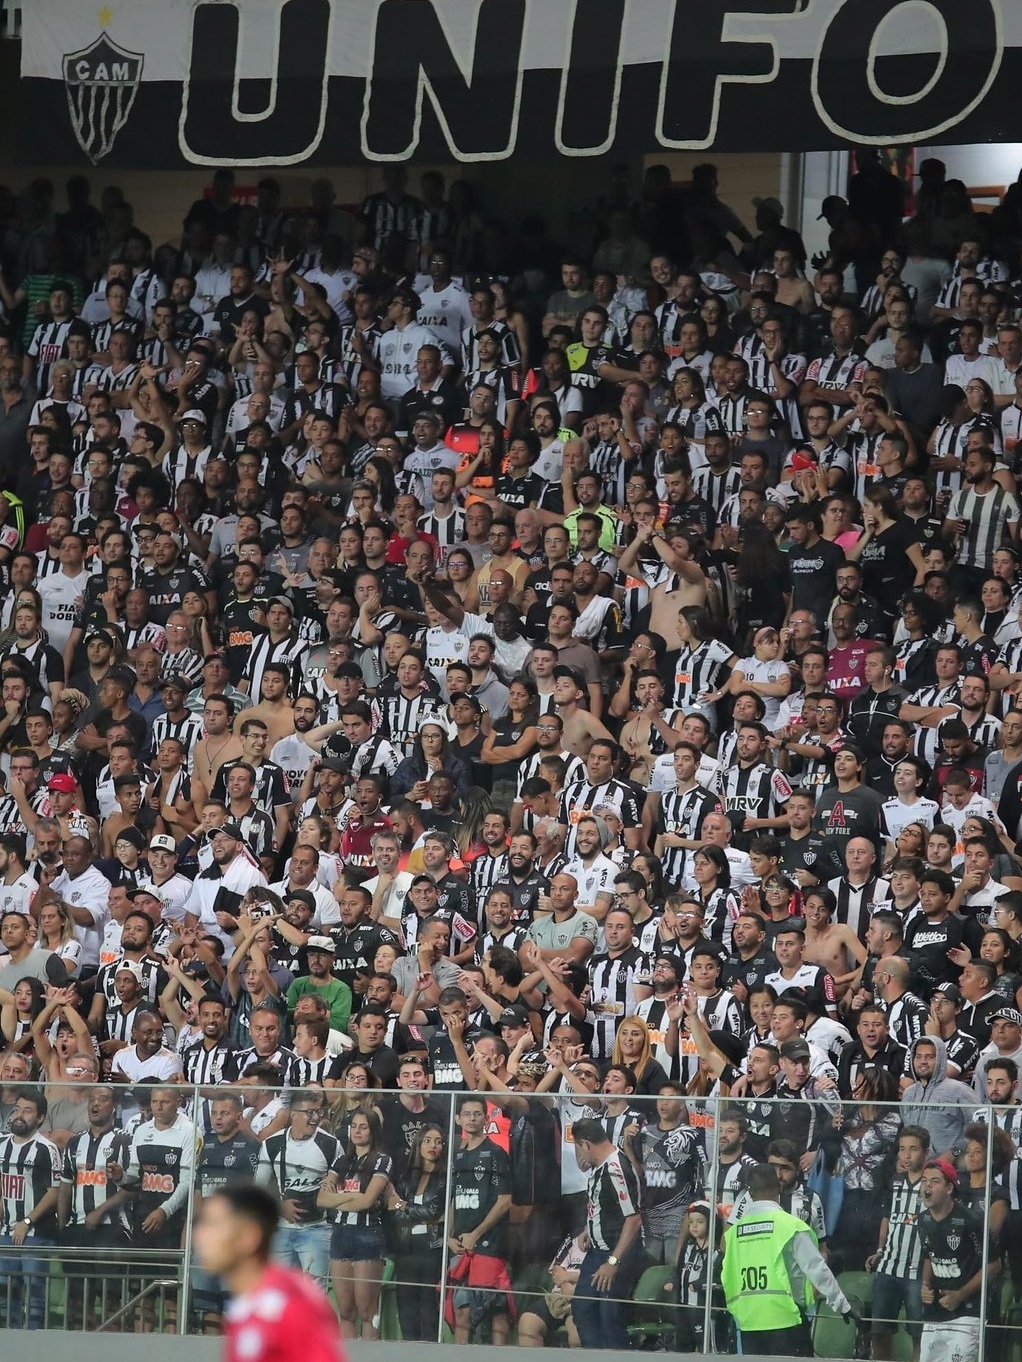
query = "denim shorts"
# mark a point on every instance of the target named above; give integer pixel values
(889, 1295)
(357, 1243)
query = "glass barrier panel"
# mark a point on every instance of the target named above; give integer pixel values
(490, 1217)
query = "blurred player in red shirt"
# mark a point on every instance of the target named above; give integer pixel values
(275, 1314)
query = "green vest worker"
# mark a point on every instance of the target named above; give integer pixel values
(771, 1264)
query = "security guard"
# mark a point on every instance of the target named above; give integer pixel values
(771, 1264)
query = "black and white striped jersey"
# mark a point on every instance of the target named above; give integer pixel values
(681, 814)
(509, 348)
(83, 1169)
(614, 1195)
(698, 670)
(403, 718)
(758, 791)
(102, 331)
(207, 1066)
(446, 530)
(613, 980)
(574, 772)
(486, 871)
(306, 1073)
(28, 1170)
(188, 732)
(716, 488)
(901, 1255)
(856, 903)
(986, 517)
(45, 348)
(291, 651)
(47, 566)
(583, 798)
(505, 383)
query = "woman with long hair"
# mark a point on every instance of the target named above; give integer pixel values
(915, 665)
(634, 1049)
(979, 1182)
(474, 803)
(431, 754)
(512, 739)
(204, 634)
(691, 411)
(869, 1142)
(703, 663)
(887, 551)
(357, 1093)
(461, 574)
(506, 310)
(764, 588)
(417, 1202)
(57, 934)
(719, 336)
(380, 471)
(712, 872)
(651, 869)
(354, 1190)
(478, 472)
(19, 1008)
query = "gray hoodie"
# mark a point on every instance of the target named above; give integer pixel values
(940, 1106)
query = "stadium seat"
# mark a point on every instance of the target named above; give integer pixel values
(654, 1308)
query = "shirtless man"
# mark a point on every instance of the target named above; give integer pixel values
(219, 745)
(651, 718)
(673, 582)
(791, 290)
(832, 944)
(274, 707)
(581, 729)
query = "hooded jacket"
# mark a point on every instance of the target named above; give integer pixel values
(940, 1106)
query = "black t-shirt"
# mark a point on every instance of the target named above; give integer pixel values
(954, 1249)
(479, 1177)
(887, 571)
(813, 573)
(400, 1126)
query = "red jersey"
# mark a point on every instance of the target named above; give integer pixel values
(285, 1318)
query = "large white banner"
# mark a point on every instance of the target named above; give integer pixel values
(281, 82)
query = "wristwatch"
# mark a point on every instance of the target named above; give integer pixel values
(612, 1261)
(27, 1223)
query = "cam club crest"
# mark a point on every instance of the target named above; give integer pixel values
(101, 82)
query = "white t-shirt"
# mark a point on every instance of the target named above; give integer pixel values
(61, 597)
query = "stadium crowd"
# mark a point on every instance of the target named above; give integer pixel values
(439, 667)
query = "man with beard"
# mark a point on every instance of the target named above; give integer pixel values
(146, 1057)
(979, 518)
(523, 880)
(295, 752)
(30, 1175)
(211, 1060)
(217, 892)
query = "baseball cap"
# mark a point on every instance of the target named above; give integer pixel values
(943, 1167)
(147, 887)
(831, 202)
(422, 879)
(952, 992)
(514, 1016)
(1008, 1014)
(283, 601)
(795, 1049)
(63, 784)
(302, 896)
(320, 943)
(177, 681)
(775, 206)
(193, 414)
(572, 673)
(228, 830)
(163, 843)
(125, 675)
(333, 764)
(129, 967)
(99, 633)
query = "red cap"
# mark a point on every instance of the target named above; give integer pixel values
(62, 783)
(942, 1166)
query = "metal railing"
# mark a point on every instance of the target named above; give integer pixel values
(129, 1287)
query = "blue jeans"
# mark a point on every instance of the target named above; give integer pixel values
(306, 1247)
(600, 1318)
(20, 1270)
